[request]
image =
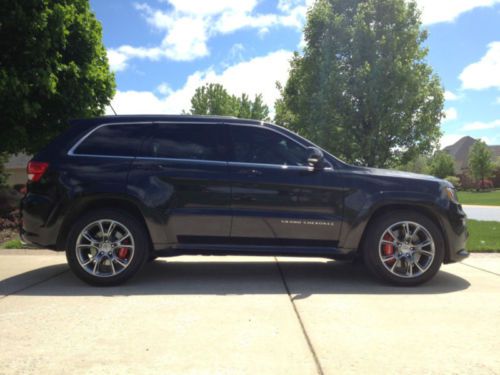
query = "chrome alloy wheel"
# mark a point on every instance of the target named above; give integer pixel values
(406, 249)
(105, 248)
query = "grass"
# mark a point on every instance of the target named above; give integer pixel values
(484, 236)
(12, 244)
(488, 198)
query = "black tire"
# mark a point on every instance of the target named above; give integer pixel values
(371, 247)
(139, 236)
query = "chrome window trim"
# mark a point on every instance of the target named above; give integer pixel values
(103, 156)
(271, 166)
(262, 125)
(201, 161)
(232, 163)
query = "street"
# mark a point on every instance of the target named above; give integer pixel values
(491, 213)
(247, 315)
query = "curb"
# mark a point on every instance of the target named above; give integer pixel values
(480, 206)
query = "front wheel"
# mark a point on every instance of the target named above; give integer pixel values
(404, 248)
(107, 247)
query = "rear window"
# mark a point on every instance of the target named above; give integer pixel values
(186, 141)
(113, 140)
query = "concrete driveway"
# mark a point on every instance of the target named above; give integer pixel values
(247, 315)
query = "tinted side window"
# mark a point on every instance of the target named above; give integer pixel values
(186, 141)
(113, 140)
(257, 145)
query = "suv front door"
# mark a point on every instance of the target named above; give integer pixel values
(277, 199)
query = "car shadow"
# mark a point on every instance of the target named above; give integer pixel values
(166, 277)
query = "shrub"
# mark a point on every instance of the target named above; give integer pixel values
(484, 184)
(9, 200)
(453, 180)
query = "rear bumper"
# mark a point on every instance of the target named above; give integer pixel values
(38, 227)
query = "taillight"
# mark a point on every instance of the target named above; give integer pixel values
(36, 169)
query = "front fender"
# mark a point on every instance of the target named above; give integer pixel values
(361, 208)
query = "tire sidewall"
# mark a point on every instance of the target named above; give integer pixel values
(137, 231)
(375, 232)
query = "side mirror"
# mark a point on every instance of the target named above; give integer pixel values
(315, 158)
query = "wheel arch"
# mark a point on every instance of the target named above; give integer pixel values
(88, 204)
(427, 212)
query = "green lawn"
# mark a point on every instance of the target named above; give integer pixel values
(12, 244)
(484, 236)
(490, 198)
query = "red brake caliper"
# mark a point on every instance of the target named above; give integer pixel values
(388, 248)
(122, 253)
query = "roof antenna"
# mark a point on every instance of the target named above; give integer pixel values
(113, 109)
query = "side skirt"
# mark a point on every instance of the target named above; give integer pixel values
(293, 251)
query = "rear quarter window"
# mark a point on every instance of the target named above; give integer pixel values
(113, 140)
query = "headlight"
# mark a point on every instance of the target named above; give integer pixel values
(451, 194)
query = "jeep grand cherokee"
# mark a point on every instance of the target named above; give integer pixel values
(116, 191)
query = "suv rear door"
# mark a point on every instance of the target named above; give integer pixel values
(182, 177)
(277, 198)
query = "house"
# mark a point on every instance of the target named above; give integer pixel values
(16, 169)
(460, 151)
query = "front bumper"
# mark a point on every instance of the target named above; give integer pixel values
(455, 228)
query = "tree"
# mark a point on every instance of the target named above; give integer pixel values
(418, 165)
(442, 165)
(53, 67)
(481, 161)
(3, 174)
(260, 111)
(213, 99)
(362, 88)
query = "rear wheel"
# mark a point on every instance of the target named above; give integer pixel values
(107, 247)
(404, 248)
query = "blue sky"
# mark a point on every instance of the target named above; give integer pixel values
(161, 50)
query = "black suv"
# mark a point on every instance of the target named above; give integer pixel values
(116, 191)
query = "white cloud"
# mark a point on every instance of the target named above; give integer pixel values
(189, 24)
(117, 60)
(449, 139)
(207, 8)
(436, 11)
(480, 125)
(488, 140)
(164, 88)
(256, 76)
(485, 73)
(136, 102)
(450, 96)
(450, 114)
